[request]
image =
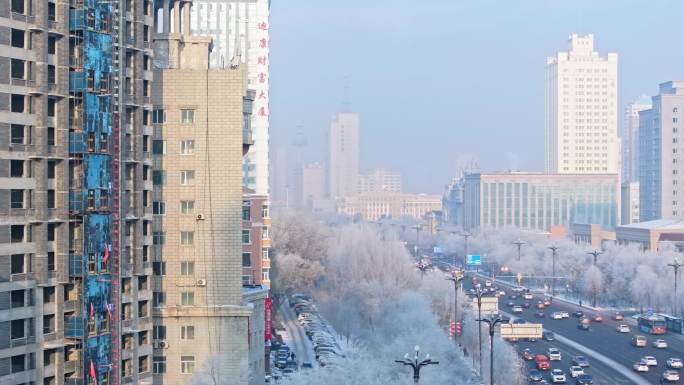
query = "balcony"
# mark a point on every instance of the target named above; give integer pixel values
(73, 326)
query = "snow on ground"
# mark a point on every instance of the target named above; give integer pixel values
(295, 337)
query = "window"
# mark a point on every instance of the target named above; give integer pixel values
(159, 268)
(159, 364)
(48, 323)
(158, 237)
(246, 259)
(187, 207)
(18, 6)
(18, 363)
(17, 329)
(246, 237)
(187, 147)
(158, 208)
(187, 332)
(265, 233)
(51, 231)
(17, 199)
(17, 102)
(159, 332)
(51, 199)
(159, 147)
(50, 136)
(52, 11)
(187, 364)
(16, 168)
(49, 294)
(18, 134)
(51, 261)
(187, 298)
(18, 38)
(52, 44)
(17, 233)
(143, 364)
(158, 116)
(187, 238)
(51, 107)
(158, 299)
(51, 76)
(265, 212)
(158, 177)
(187, 116)
(17, 264)
(187, 177)
(265, 253)
(246, 210)
(265, 275)
(51, 169)
(18, 69)
(187, 268)
(17, 298)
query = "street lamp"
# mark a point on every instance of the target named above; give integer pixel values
(466, 235)
(675, 266)
(456, 277)
(553, 249)
(479, 294)
(417, 228)
(416, 363)
(491, 322)
(595, 253)
(423, 266)
(519, 242)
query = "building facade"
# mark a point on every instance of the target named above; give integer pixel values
(313, 184)
(374, 206)
(240, 34)
(581, 128)
(343, 155)
(630, 138)
(256, 239)
(537, 201)
(380, 180)
(74, 294)
(652, 235)
(661, 139)
(201, 130)
(629, 203)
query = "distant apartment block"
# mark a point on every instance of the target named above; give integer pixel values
(374, 206)
(538, 201)
(661, 141)
(581, 110)
(630, 138)
(380, 180)
(343, 155)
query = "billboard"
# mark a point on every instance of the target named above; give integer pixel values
(521, 330)
(489, 306)
(473, 260)
(268, 310)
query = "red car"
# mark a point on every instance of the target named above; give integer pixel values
(542, 362)
(618, 316)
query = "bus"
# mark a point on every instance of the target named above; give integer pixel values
(674, 324)
(652, 324)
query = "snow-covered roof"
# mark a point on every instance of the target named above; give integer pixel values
(660, 224)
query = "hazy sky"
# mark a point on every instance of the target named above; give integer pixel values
(435, 80)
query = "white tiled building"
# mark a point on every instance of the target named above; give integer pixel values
(630, 138)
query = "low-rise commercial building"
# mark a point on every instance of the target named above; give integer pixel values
(652, 235)
(373, 206)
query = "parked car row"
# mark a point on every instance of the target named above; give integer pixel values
(317, 329)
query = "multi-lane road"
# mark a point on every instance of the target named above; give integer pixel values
(602, 338)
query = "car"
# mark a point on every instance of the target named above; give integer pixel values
(548, 336)
(502, 293)
(513, 296)
(539, 314)
(554, 354)
(660, 344)
(526, 304)
(307, 365)
(674, 363)
(578, 313)
(565, 314)
(584, 379)
(488, 283)
(639, 341)
(547, 301)
(281, 363)
(519, 321)
(540, 305)
(531, 339)
(510, 304)
(580, 361)
(598, 318)
(527, 354)
(640, 366)
(617, 316)
(517, 309)
(650, 361)
(583, 325)
(576, 371)
(671, 375)
(623, 328)
(556, 315)
(527, 296)
(542, 362)
(557, 376)
(535, 375)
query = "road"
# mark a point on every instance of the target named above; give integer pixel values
(602, 338)
(295, 336)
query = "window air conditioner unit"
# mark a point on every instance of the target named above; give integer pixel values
(200, 217)
(201, 282)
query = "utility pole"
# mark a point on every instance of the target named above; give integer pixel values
(479, 294)
(492, 322)
(519, 242)
(456, 277)
(675, 266)
(553, 249)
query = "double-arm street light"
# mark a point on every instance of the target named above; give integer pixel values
(519, 242)
(423, 266)
(675, 266)
(456, 277)
(416, 363)
(491, 322)
(479, 294)
(595, 254)
(553, 249)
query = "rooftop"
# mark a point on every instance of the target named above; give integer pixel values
(660, 224)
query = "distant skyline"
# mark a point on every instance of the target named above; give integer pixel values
(434, 81)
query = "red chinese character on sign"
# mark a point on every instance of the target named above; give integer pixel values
(262, 111)
(262, 77)
(263, 43)
(261, 60)
(263, 26)
(262, 95)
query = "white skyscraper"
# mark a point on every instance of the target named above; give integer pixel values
(581, 110)
(630, 138)
(240, 33)
(343, 153)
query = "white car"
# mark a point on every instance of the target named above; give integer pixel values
(557, 315)
(488, 283)
(554, 354)
(640, 366)
(517, 309)
(623, 329)
(650, 361)
(660, 344)
(527, 296)
(502, 293)
(674, 363)
(557, 376)
(671, 375)
(576, 371)
(565, 314)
